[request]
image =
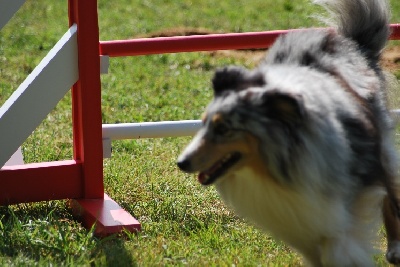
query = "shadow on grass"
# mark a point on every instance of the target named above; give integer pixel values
(45, 234)
(115, 253)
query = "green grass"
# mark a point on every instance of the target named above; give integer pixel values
(183, 223)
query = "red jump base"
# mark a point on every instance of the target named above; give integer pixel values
(107, 216)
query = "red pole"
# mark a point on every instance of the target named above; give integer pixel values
(86, 98)
(95, 207)
(146, 46)
(160, 45)
(395, 31)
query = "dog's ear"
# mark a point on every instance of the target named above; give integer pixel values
(285, 107)
(276, 105)
(235, 78)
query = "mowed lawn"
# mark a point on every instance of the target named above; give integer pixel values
(183, 223)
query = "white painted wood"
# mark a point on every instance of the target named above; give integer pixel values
(7, 9)
(151, 129)
(104, 64)
(16, 159)
(38, 94)
(107, 148)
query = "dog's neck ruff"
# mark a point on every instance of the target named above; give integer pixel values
(295, 217)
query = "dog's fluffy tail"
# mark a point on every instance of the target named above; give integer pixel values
(364, 21)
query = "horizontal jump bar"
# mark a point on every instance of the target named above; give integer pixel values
(210, 42)
(150, 129)
(192, 43)
(163, 129)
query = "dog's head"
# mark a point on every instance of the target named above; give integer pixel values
(244, 113)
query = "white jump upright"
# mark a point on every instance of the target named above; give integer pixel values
(37, 96)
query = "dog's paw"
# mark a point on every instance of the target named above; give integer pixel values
(393, 253)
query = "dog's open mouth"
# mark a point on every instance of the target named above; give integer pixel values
(209, 176)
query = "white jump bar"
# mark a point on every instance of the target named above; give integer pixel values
(159, 129)
(162, 129)
(150, 129)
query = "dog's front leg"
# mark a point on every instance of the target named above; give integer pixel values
(392, 225)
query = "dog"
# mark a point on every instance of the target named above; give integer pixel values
(302, 145)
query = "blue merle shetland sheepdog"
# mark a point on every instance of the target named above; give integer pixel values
(302, 145)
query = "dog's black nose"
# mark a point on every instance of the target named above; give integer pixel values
(184, 165)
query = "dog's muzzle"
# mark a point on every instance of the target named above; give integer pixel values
(184, 165)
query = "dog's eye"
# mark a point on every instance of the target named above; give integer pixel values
(221, 129)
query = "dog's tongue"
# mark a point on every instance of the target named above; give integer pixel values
(203, 178)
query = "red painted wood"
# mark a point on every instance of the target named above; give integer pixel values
(86, 95)
(94, 207)
(108, 216)
(146, 46)
(395, 31)
(160, 45)
(40, 182)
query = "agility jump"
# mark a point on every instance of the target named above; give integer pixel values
(75, 63)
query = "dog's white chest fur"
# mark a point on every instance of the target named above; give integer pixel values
(303, 220)
(284, 213)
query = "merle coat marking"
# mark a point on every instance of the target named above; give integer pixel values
(302, 145)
